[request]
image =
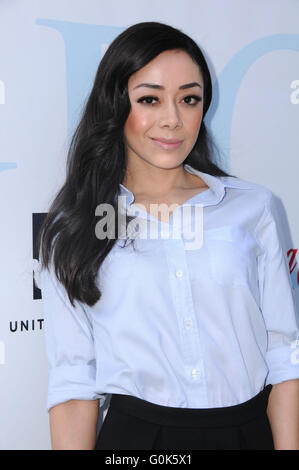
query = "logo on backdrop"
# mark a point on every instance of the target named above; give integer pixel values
(81, 68)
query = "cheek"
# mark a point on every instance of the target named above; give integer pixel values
(137, 123)
(192, 127)
(193, 124)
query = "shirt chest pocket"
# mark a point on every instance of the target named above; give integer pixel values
(232, 255)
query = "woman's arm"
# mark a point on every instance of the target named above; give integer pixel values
(283, 414)
(73, 425)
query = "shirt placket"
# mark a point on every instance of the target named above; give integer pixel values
(191, 345)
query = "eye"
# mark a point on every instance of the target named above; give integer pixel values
(195, 97)
(148, 99)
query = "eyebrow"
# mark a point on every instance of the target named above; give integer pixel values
(160, 87)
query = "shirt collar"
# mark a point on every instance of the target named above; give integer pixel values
(212, 196)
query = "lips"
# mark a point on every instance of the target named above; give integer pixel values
(167, 144)
(167, 141)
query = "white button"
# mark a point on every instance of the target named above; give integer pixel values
(188, 323)
(179, 273)
(195, 373)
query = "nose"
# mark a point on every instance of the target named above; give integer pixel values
(170, 116)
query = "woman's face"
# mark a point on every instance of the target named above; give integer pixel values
(165, 110)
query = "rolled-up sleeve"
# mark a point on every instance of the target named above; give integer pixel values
(277, 299)
(69, 345)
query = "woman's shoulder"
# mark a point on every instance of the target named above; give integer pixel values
(254, 195)
(235, 182)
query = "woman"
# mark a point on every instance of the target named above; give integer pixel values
(190, 335)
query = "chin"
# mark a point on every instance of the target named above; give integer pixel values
(167, 163)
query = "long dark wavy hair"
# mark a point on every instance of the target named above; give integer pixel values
(96, 160)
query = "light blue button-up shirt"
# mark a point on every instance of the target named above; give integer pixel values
(198, 328)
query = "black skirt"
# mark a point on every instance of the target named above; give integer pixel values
(132, 423)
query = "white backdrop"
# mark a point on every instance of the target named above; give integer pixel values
(50, 51)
